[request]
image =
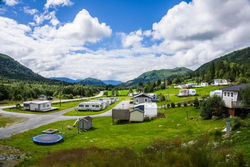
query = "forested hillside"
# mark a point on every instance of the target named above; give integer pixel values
(155, 75)
(11, 69)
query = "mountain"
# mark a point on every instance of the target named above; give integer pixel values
(112, 82)
(11, 69)
(241, 57)
(92, 82)
(155, 75)
(64, 79)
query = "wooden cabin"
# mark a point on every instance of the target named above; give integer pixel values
(85, 123)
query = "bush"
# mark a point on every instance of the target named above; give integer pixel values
(236, 124)
(168, 105)
(179, 104)
(213, 106)
(196, 103)
(172, 105)
(185, 104)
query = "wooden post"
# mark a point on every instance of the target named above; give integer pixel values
(187, 114)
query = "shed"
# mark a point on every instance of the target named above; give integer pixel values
(120, 114)
(136, 115)
(85, 123)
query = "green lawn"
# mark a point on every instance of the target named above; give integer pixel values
(120, 93)
(8, 120)
(204, 91)
(105, 135)
(65, 105)
(82, 113)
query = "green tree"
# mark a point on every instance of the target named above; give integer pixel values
(212, 70)
(245, 95)
(213, 106)
(196, 103)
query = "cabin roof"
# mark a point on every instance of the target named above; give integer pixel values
(143, 95)
(137, 109)
(88, 118)
(235, 87)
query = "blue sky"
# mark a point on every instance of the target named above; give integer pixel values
(120, 39)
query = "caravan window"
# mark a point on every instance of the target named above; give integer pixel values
(97, 106)
(146, 100)
(228, 94)
(225, 93)
(86, 105)
(44, 105)
(232, 94)
(93, 105)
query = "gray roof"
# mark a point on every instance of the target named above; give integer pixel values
(235, 87)
(137, 109)
(143, 95)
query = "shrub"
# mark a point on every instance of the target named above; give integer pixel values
(185, 104)
(196, 103)
(172, 105)
(179, 104)
(168, 105)
(236, 124)
(213, 106)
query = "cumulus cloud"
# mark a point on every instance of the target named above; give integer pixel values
(54, 3)
(204, 29)
(132, 39)
(11, 2)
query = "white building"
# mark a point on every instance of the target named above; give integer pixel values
(42, 106)
(220, 82)
(91, 106)
(216, 93)
(203, 84)
(142, 98)
(187, 92)
(150, 109)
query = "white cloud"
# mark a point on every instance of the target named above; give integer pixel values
(132, 39)
(11, 2)
(54, 3)
(204, 29)
(29, 11)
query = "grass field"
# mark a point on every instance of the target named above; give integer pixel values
(65, 105)
(4, 121)
(204, 91)
(82, 113)
(120, 93)
(134, 135)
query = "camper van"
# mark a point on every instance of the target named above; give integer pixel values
(91, 106)
(187, 92)
(150, 109)
(42, 106)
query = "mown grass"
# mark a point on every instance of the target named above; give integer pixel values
(4, 121)
(173, 98)
(82, 113)
(120, 93)
(134, 135)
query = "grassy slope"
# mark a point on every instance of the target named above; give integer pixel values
(120, 92)
(106, 135)
(173, 92)
(82, 113)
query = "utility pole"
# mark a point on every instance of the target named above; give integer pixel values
(165, 93)
(61, 95)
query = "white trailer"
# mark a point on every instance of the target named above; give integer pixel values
(91, 106)
(183, 92)
(150, 109)
(42, 106)
(216, 93)
(191, 92)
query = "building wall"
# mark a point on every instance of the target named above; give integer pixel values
(136, 116)
(40, 107)
(139, 100)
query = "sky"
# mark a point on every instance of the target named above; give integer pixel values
(120, 39)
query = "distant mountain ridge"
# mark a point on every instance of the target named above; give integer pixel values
(11, 69)
(92, 82)
(155, 75)
(112, 82)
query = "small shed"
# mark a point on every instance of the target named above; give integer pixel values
(85, 123)
(136, 115)
(120, 114)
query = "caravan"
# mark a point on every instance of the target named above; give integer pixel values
(91, 106)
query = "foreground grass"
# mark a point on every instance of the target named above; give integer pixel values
(120, 93)
(82, 113)
(173, 98)
(4, 121)
(105, 135)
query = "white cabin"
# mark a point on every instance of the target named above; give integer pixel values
(91, 106)
(150, 109)
(42, 106)
(216, 93)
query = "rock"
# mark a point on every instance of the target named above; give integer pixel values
(69, 127)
